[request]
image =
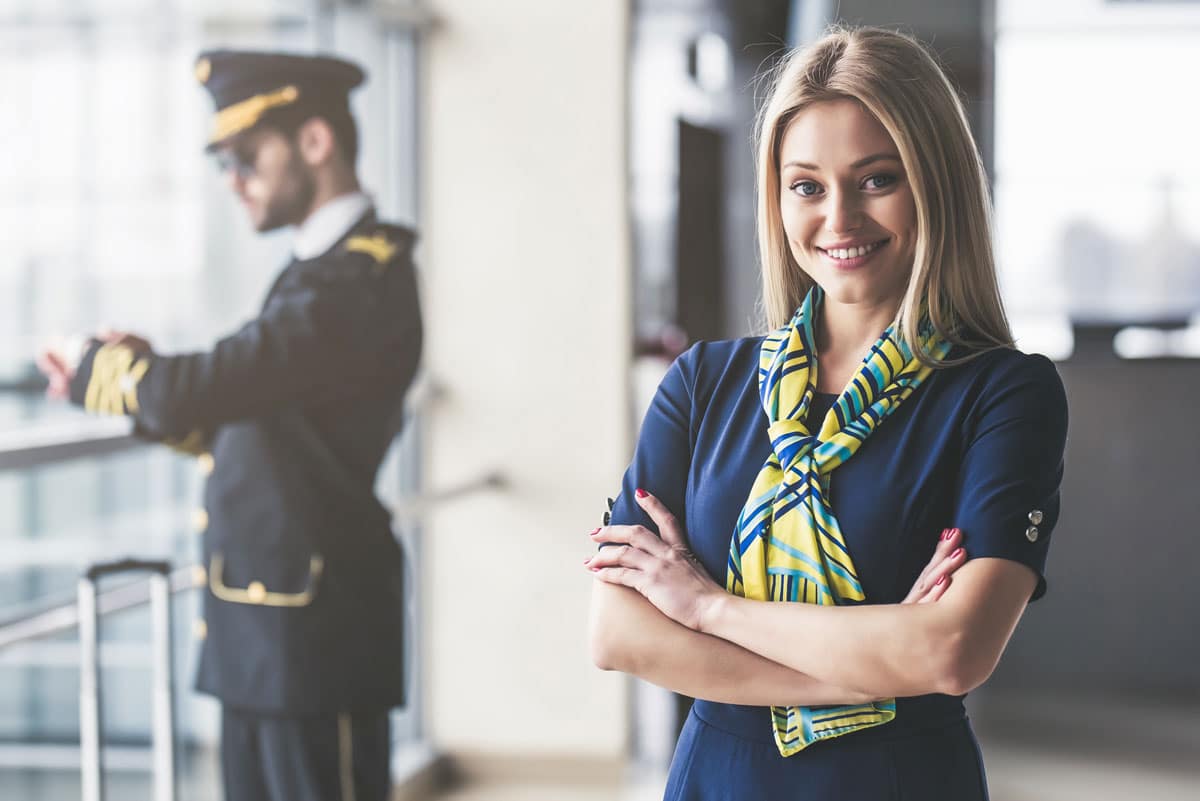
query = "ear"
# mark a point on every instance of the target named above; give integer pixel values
(316, 142)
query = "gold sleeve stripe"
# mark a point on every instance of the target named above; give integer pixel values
(116, 373)
(240, 116)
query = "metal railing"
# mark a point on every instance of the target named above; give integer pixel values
(63, 441)
(63, 615)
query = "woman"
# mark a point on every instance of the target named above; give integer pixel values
(821, 463)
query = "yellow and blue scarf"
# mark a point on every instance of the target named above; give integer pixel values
(788, 545)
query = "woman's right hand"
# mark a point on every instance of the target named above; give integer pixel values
(935, 579)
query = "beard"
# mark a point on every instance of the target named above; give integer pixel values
(291, 199)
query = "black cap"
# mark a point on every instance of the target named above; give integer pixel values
(245, 85)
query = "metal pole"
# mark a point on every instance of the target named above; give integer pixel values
(89, 693)
(164, 688)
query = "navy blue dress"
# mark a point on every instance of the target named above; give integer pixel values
(977, 446)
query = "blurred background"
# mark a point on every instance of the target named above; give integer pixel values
(582, 177)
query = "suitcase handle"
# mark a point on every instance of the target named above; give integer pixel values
(162, 687)
(102, 569)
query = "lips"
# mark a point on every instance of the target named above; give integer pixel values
(854, 251)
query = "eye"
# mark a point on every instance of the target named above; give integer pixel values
(805, 188)
(881, 181)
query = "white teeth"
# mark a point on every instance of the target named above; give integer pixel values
(852, 253)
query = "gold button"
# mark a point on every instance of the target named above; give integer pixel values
(256, 592)
(206, 463)
(1035, 517)
(199, 576)
(1031, 533)
(199, 629)
(200, 520)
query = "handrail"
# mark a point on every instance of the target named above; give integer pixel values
(64, 616)
(41, 444)
(417, 506)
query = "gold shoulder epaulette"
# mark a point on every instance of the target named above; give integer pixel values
(377, 246)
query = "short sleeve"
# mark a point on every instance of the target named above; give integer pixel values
(1008, 489)
(663, 455)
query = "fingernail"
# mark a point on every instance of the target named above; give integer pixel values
(585, 561)
(594, 532)
(957, 553)
(940, 581)
(641, 493)
(594, 569)
(946, 532)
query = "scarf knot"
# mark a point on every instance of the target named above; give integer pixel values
(793, 445)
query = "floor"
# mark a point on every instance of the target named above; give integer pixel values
(1015, 774)
(1049, 766)
(1025, 768)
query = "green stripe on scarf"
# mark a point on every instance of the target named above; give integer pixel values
(788, 545)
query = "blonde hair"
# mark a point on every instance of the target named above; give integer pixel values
(893, 77)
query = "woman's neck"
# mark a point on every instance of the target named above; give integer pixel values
(845, 334)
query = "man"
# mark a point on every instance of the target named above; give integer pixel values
(292, 414)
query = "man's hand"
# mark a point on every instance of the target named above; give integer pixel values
(58, 362)
(58, 372)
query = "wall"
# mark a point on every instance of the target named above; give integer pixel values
(1119, 615)
(527, 292)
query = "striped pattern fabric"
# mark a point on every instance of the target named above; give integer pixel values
(787, 545)
(116, 372)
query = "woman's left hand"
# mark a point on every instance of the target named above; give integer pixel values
(664, 570)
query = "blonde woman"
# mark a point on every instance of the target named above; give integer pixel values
(849, 523)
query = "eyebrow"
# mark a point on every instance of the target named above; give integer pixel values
(856, 165)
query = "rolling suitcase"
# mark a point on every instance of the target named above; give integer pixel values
(163, 730)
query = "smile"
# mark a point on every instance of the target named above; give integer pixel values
(847, 254)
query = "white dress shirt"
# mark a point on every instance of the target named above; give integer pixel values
(328, 224)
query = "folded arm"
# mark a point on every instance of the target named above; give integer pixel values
(949, 647)
(1008, 477)
(630, 635)
(680, 628)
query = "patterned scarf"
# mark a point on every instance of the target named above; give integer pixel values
(788, 545)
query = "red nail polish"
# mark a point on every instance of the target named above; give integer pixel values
(940, 581)
(947, 533)
(957, 553)
(641, 493)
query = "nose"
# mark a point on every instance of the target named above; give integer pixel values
(843, 213)
(235, 181)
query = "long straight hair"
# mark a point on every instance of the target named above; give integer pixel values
(953, 277)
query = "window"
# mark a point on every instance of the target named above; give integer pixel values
(111, 215)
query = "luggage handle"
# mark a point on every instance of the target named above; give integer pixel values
(163, 730)
(101, 569)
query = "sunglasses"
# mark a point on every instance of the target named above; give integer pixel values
(242, 164)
